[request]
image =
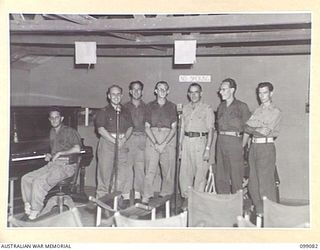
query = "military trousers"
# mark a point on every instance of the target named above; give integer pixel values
(193, 169)
(230, 164)
(136, 163)
(36, 184)
(105, 152)
(166, 160)
(262, 162)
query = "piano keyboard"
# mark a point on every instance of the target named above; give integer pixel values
(35, 157)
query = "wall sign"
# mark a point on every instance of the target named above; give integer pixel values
(195, 78)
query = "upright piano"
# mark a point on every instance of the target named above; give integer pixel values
(29, 142)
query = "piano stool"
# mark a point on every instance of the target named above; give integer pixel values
(60, 199)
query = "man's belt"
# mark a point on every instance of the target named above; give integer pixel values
(262, 140)
(120, 135)
(195, 134)
(230, 133)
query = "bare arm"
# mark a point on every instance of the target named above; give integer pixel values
(126, 137)
(171, 133)
(106, 135)
(74, 150)
(150, 134)
(207, 150)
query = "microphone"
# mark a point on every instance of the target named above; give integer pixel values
(118, 108)
(179, 108)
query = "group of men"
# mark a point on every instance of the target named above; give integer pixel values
(147, 142)
(143, 139)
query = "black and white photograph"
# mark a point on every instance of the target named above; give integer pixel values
(164, 122)
(167, 121)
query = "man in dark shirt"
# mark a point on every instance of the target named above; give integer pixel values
(232, 117)
(35, 185)
(106, 126)
(137, 141)
(160, 127)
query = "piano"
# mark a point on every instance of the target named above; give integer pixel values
(29, 142)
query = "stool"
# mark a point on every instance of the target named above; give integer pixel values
(60, 199)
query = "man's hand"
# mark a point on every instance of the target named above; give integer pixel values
(48, 157)
(121, 142)
(206, 154)
(160, 147)
(56, 156)
(265, 131)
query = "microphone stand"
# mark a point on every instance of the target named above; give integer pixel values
(177, 170)
(115, 155)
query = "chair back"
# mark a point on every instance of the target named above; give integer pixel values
(174, 221)
(279, 215)
(71, 181)
(70, 218)
(214, 210)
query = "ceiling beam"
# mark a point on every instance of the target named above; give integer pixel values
(221, 38)
(162, 22)
(214, 51)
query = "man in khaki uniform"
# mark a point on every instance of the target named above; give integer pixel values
(197, 128)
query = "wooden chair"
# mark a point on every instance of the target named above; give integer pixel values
(174, 221)
(135, 211)
(70, 218)
(279, 215)
(245, 222)
(214, 210)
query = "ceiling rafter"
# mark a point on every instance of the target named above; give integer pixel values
(140, 40)
(214, 51)
(162, 23)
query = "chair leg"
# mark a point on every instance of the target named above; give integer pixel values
(153, 213)
(67, 201)
(52, 202)
(98, 218)
(167, 208)
(60, 200)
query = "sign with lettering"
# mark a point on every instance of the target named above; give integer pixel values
(195, 78)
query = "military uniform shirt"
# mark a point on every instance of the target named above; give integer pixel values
(234, 117)
(65, 139)
(266, 117)
(138, 115)
(107, 118)
(161, 116)
(198, 119)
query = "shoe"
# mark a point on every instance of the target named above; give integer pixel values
(25, 217)
(184, 205)
(145, 201)
(33, 214)
(137, 201)
(137, 195)
(27, 208)
(123, 204)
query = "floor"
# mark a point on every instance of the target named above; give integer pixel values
(88, 211)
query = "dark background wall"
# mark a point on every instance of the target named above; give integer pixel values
(57, 81)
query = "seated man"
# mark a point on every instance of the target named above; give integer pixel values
(36, 184)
